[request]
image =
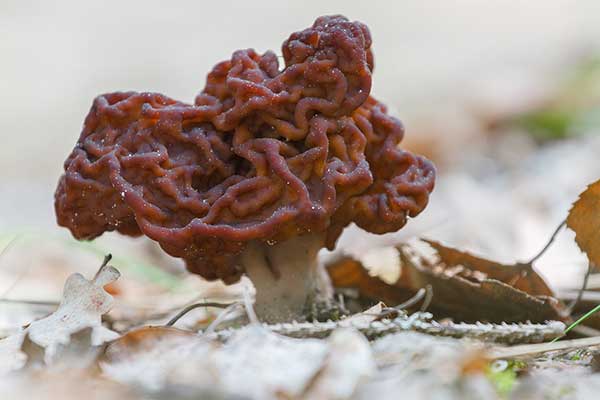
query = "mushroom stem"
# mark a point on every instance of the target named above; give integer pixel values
(287, 277)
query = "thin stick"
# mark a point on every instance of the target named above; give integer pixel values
(582, 289)
(249, 308)
(530, 349)
(413, 300)
(428, 298)
(342, 302)
(191, 307)
(221, 317)
(393, 312)
(541, 253)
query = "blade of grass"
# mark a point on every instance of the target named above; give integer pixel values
(580, 320)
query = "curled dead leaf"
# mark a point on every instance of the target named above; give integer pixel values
(479, 291)
(521, 276)
(348, 273)
(584, 220)
(478, 298)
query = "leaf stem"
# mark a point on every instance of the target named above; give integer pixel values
(550, 241)
(572, 306)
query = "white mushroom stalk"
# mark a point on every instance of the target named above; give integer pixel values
(287, 276)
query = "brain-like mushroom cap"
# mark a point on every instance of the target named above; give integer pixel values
(264, 154)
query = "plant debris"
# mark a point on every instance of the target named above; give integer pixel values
(458, 280)
(584, 219)
(76, 323)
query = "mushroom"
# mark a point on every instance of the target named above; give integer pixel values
(267, 167)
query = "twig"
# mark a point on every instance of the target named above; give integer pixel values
(393, 312)
(413, 300)
(530, 349)
(341, 301)
(221, 317)
(574, 303)
(249, 309)
(428, 298)
(550, 241)
(191, 307)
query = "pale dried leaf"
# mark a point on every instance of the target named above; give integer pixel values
(254, 349)
(420, 366)
(363, 318)
(349, 364)
(254, 363)
(150, 357)
(11, 356)
(77, 317)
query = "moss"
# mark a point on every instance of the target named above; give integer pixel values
(505, 377)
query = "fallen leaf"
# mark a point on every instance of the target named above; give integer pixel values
(473, 298)
(149, 357)
(520, 276)
(349, 363)
(74, 327)
(348, 273)
(584, 220)
(11, 356)
(420, 366)
(253, 363)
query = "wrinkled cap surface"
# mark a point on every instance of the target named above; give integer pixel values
(264, 153)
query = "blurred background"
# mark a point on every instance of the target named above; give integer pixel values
(503, 95)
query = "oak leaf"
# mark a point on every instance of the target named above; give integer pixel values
(63, 336)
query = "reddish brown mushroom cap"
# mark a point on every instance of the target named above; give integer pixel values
(263, 154)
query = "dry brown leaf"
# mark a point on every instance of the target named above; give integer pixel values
(472, 298)
(476, 299)
(584, 220)
(521, 276)
(348, 273)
